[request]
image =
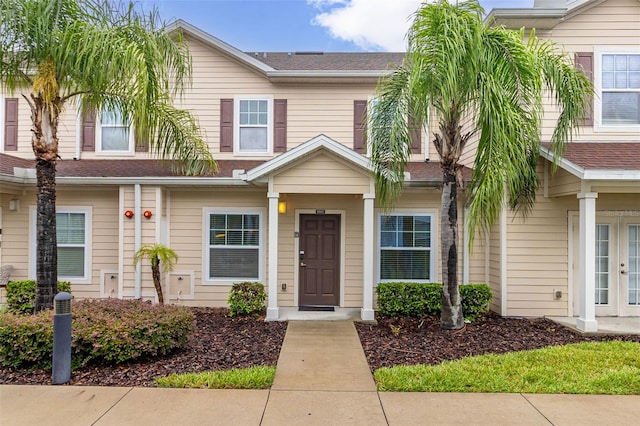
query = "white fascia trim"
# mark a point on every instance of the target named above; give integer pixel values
(218, 44)
(319, 142)
(327, 74)
(186, 181)
(591, 174)
(565, 164)
(613, 174)
(527, 12)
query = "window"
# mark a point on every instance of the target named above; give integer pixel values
(405, 247)
(114, 132)
(619, 84)
(71, 236)
(254, 125)
(234, 246)
(602, 264)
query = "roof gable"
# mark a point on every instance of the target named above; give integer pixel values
(320, 142)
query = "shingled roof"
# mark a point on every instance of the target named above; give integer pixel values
(330, 61)
(604, 155)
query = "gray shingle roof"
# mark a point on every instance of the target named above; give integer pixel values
(330, 61)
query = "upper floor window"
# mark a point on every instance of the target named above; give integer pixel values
(618, 85)
(114, 132)
(406, 248)
(620, 89)
(253, 128)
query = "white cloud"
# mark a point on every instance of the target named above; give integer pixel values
(370, 24)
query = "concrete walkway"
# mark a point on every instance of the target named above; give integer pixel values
(322, 379)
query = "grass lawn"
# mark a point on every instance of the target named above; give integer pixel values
(611, 368)
(237, 378)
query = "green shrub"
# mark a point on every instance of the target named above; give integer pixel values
(247, 298)
(421, 299)
(109, 330)
(21, 295)
(26, 340)
(475, 300)
(116, 330)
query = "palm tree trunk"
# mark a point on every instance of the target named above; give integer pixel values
(155, 272)
(451, 317)
(44, 142)
(46, 242)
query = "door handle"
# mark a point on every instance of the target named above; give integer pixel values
(303, 264)
(623, 272)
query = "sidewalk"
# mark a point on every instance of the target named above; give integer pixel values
(322, 379)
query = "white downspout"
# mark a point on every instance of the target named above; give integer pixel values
(137, 236)
(465, 249)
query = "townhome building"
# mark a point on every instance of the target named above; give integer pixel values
(294, 203)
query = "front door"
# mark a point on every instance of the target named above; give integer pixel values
(617, 264)
(629, 266)
(319, 260)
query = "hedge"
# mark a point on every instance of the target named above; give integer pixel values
(21, 295)
(425, 299)
(108, 330)
(247, 298)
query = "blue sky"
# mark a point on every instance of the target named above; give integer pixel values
(304, 25)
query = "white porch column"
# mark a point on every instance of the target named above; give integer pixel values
(367, 313)
(587, 320)
(272, 308)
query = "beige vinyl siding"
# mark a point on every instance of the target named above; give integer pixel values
(312, 108)
(322, 173)
(188, 238)
(612, 23)
(495, 273)
(561, 182)
(15, 229)
(103, 250)
(104, 229)
(537, 257)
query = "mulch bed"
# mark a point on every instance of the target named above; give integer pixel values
(221, 343)
(408, 341)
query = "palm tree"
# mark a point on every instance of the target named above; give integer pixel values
(97, 56)
(483, 84)
(157, 254)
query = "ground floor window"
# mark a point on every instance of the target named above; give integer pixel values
(234, 246)
(405, 247)
(72, 244)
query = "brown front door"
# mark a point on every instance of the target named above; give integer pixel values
(319, 260)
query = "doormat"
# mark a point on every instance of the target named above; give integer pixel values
(317, 308)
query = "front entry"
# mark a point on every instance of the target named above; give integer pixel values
(319, 260)
(617, 266)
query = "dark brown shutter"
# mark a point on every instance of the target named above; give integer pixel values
(142, 144)
(416, 136)
(89, 131)
(279, 125)
(359, 125)
(11, 124)
(584, 62)
(226, 125)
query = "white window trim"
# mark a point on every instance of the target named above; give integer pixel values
(236, 124)
(261, 212)
(98, 135)
(434, 241)
(88, 242)
(424, 130)
(598, 126)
